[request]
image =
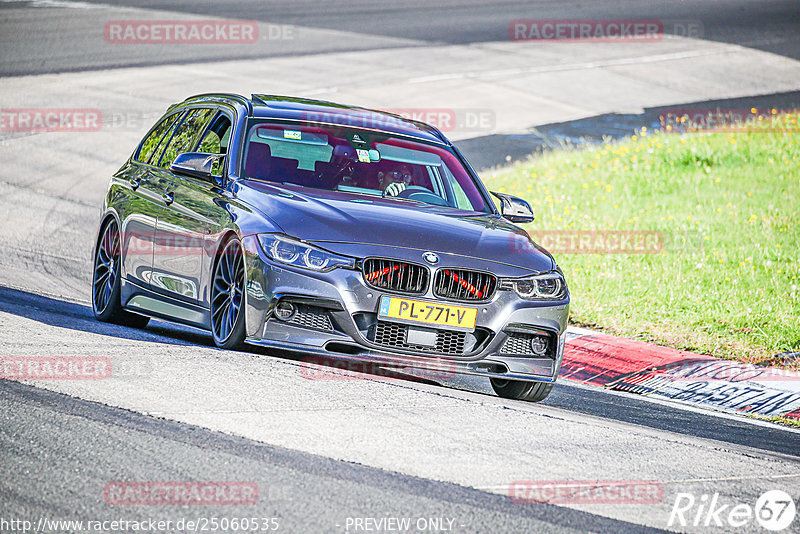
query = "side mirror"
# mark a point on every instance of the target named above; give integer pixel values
(514, 209)
(195, 164)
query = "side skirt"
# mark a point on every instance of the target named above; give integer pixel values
(143, 301)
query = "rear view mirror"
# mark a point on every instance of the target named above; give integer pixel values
(348, 152)
(195, 164)
(514, 209)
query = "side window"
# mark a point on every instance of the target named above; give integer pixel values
(210, 143)
(184, 134)
(461, 198)
(165, 140)
(150, 143)
(462, 201)
(215, 141)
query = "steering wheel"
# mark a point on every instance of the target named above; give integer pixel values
(412, 189)
(421, 194)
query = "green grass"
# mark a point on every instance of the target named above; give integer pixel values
(786, 421)
(727, 280)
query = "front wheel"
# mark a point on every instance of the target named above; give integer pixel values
(520, 390)
(227, 297)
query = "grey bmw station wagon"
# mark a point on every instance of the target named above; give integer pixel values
(333, 231)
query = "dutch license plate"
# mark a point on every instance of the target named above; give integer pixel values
(431, 313)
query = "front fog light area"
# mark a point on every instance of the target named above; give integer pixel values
(289, 251)
(285, 310)
(522, 342)
(539, 345)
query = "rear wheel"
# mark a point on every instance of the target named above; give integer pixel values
(227, 297)
(520, 390)
(106, 281)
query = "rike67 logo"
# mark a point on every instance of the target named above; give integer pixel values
(774, 510)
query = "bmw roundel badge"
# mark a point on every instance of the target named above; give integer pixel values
(431, 258)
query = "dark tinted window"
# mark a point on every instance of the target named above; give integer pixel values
(186, 132)
(360, 162)
(150, 143)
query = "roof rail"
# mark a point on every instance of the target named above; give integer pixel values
(231, 96)
(258, 98)
(264, 99)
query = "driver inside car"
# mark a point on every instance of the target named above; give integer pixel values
(395, 182)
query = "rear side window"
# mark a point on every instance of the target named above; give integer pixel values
(184, 135)
(152, 140)
(165, 140)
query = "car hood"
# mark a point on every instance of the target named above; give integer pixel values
(361, 226)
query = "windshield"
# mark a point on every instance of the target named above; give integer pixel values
(361, 162)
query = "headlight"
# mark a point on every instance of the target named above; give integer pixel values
(550, 286)
(286, 250)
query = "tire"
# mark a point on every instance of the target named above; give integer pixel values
(106, 281)
(227, 296)
(520, 390)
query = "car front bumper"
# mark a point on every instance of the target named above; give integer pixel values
(342, 321)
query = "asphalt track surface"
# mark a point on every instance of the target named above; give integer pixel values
(324, 452)
(47, 438)
(60, 450)
(40, 44)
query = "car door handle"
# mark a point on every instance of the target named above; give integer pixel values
(169, 198)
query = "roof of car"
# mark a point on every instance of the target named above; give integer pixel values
(323, 112)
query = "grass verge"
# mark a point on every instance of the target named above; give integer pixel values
(780, 420)
(724, 277)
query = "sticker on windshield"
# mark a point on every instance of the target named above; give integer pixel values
(363, 156)
(292, 134)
